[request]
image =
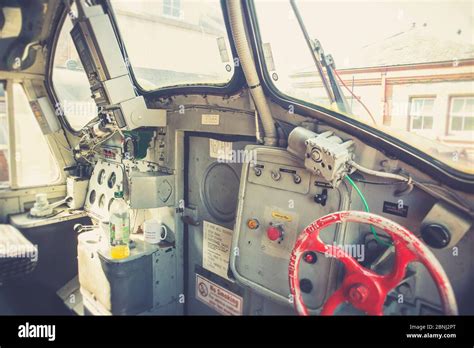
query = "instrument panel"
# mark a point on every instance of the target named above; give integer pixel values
(278, 198)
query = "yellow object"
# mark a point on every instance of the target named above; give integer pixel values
(281, 216)
(120, 251)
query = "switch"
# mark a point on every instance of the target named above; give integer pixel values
(276, 175)
(274, 233)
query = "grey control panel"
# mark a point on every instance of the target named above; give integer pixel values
(278, 198)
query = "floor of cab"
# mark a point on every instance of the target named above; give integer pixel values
(30, 299)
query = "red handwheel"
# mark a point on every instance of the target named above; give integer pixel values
(361, 287)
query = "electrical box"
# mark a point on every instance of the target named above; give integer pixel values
(150, 190)
(76, 188)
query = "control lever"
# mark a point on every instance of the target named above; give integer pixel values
(42, 207)
(79, 228)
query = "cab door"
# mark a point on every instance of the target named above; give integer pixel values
(211, 195)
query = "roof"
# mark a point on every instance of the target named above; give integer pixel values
(416, 45)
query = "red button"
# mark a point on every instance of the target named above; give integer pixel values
(273, 233)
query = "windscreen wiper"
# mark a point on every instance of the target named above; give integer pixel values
(321, 60)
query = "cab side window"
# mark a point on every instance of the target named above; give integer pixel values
(33, 163)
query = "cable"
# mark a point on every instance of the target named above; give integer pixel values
(380, 174)
(376, 182)
(366, 206)
(358, 99)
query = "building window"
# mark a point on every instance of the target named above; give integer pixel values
(421, 114)
(461, 114)
(172, 8)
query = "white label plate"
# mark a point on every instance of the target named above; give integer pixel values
(216, 247)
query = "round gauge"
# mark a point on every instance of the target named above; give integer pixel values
(129, 149)
(101, 177)
(110, 203)
(102, 201)
(92, 196)
(112, 180)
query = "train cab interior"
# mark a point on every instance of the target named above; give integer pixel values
(257, 157)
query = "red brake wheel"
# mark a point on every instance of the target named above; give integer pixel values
(361, 287)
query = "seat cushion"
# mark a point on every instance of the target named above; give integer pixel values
(18, 256)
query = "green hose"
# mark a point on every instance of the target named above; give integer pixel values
(366, 206)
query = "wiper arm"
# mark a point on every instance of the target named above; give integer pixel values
(332, 87)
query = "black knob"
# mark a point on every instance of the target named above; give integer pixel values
(435, 235)
(306, 286)
(321, 198)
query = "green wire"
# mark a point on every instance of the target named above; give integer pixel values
(366, 206)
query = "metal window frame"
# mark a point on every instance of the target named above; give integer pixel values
(233, 86)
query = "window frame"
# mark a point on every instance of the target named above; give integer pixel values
(50, 88)
(412, 117)
(450, 131)
(372, 136)
(49, 83)
(12, 184)
(233, 86)
(172, 7)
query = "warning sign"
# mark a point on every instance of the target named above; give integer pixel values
(216, 248)
(218, 298)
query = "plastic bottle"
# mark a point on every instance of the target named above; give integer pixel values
(119, 227)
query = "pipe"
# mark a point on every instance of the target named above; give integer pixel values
(236, 18)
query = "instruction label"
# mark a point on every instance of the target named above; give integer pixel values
(210, 119)
(216, 248)
(220, 149)
(218, 298)
(395, 209)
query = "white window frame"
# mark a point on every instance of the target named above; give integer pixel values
(462, 114)
(174, 5)
(422, 116)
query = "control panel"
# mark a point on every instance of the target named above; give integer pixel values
(278, 198)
